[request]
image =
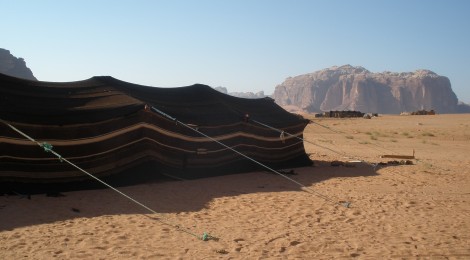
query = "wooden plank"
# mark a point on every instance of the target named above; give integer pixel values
(398, 156)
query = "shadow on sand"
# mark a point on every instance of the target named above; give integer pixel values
(163, 195)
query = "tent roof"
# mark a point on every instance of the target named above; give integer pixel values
(103, 97)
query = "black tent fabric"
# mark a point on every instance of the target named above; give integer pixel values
(106, 126)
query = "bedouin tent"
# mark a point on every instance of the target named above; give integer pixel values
(109, 127)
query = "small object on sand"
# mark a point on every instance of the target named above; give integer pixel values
(399, 156)
(291, 172)
(402, 162)
(406, 162)
(345, 204)
(285, 172)
(206, 237)
(76, 210)
(337, 163)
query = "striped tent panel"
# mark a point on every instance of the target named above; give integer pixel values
(105, 126)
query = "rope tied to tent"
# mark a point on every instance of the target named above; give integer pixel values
(283, 133)
(373, 165)
(305, 188)
(283, 137)
(375, 146)
(49, 149)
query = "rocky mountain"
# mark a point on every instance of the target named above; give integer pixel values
(224, 90)
(355, 88)
(12, 66)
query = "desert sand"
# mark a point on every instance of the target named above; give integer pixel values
(396, 211)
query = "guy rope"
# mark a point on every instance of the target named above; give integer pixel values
(373, 165)
(375, 146)
(49, 148)
(305, 188)
(283, 133)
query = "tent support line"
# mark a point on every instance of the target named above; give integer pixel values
(341, 133)
(48, 148)
(373, 165)
(305, 188)
(289, 134)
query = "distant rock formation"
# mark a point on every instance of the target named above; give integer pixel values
(224, 90)
(355, 88)
(12, 66)
(463, 108)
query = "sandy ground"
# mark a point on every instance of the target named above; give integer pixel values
(419, 211)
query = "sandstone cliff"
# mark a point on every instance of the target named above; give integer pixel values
(12, 66)
(356, 88)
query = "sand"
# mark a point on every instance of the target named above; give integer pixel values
(397, 211)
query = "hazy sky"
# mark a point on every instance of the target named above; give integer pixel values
(250, 45)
